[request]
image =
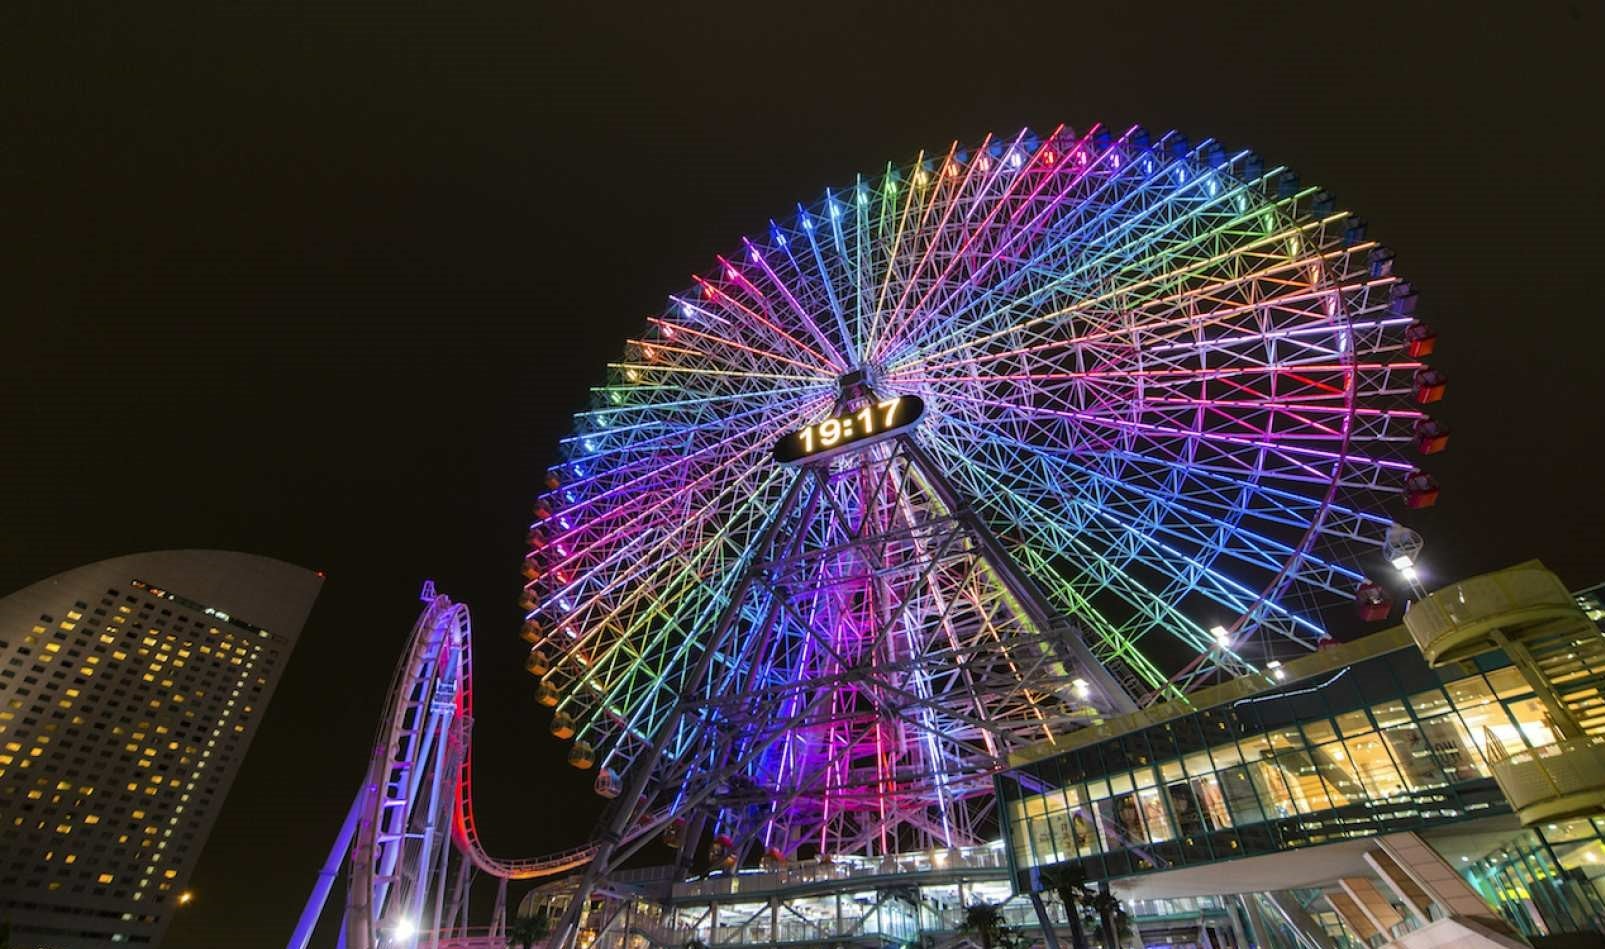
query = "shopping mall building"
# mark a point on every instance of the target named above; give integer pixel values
(1441, 783)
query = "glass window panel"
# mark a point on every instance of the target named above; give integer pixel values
(1559, 831)
(1414, 756)
(1319, 733)
(1225, 756)
(1059, 824)
(1022, 842)
(1097, 788)
(1271, 785)
(1470, 692)
(1082, 834)
(1155, 816)
(1429, 703)
(1120, 783)
(1389, 713)
(1170, 772)
(1242, 800)
(1144, 777)
(1374, 766)
(1305, 782)
(1533, 719)
(1197, 763)
(1286, 737)
(1490, 719)
(1212, 802)
(1508, 683)
(1354, 723)
(1256, 748)
(1184, 807)
(1453, 748)
(1125, 817)
(1338, 781)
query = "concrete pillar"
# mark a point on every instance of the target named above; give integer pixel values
(1439, 881)
(1401, 884)
(1372, 902)
(1358, 922)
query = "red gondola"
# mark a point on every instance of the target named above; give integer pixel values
(1429, 385)
(1372, 602)
(1420, 490)
(1432, 436)
(1420, 340)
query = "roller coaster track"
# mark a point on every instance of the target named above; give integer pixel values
(402, 876)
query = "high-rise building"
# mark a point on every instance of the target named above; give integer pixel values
(130, 690)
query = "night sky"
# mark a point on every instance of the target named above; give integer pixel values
(325, 282)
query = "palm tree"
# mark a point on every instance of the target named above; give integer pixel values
(1069, 883)
(984, 921)
(526, 931)
(1111, 915)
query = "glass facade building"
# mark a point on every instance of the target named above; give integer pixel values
(1352, 742)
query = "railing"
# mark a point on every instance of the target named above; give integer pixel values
(478, 937)
(1565, 779)
(990, 857)
(1458, 621)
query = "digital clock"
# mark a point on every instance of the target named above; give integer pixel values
(876, 420)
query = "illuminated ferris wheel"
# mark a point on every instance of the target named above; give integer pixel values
(972, 452)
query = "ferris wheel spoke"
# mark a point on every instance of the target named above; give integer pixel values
(953, 185)
(1213, 525)
(971, 237)
(1074, 275)
(1123, 535)
(637, 474)
(1068, 152)
(1138, 535)
(744, 314)
(802, 313)
(911, 193)
(1117, 219)
(680, 332)
(1299, 461)
(1156, 333)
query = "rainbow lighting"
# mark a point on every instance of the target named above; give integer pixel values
(1183, 390)
(971, 453)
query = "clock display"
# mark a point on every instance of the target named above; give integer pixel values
(872, 422)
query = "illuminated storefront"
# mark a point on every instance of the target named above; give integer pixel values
(1360, 740)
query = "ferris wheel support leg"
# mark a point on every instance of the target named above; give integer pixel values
(623, 810)
(1020, 586)
(326, 877)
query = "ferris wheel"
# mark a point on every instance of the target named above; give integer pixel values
(971, 452)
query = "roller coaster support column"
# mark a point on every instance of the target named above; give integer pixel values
(327, 876)
(624, 807)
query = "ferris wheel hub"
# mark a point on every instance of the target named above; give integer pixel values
(859, 383)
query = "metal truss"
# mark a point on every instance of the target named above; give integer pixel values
(1174, 384)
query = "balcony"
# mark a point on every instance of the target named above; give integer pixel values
(1566, 779)
(1470, 617)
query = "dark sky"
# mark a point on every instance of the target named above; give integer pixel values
(324, 282)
